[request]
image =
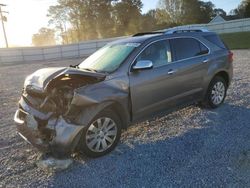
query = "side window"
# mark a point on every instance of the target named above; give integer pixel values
(159, 53)
(204, 49)
(187, 47)
(215, 40)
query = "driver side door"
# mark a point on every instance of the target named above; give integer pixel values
(150, 87)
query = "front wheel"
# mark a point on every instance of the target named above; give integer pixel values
(102, 134)
(216, 92)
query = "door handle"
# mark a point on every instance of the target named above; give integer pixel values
(171, 71)
(205, 61)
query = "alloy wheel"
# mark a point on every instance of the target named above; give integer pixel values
(218, 93)
(101, 134)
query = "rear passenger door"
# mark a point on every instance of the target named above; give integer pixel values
(175, 78)
(190, 58)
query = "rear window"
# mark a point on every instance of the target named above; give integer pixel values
(215, 40)
(184, 48)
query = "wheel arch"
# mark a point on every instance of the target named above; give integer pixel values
(121, 112)
(222, 74)
(87, 114)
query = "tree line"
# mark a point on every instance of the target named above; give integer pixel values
(78, 20)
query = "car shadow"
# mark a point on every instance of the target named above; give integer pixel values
(208, 154)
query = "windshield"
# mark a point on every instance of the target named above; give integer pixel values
(108, 58)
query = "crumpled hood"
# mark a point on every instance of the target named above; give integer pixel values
(41, 78)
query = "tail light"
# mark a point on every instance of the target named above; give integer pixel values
(230, 56)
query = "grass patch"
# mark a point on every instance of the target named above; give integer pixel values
(240, 40)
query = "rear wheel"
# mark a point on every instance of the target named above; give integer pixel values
(216, 92)
(102, 134)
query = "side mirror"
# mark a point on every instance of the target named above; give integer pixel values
(143, 64)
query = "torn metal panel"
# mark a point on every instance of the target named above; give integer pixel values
(58, 135)
(27, 108)
(67, 135)
(40, 79)
(30, 134)
(87, 114)
(109, 90)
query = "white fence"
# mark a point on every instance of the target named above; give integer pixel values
(84, 49)
(233, 26)
(28, 54)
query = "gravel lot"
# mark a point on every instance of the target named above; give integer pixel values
(192, 147)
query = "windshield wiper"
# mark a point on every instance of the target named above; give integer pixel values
(74, 66)
(88, 69)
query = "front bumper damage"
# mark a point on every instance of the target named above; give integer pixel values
(58, 103)
(57, 136)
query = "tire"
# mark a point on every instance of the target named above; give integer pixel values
(216, 92)
(98, 141)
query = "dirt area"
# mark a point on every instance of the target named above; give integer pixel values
(190, 147)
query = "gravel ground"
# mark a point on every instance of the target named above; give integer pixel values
(192, 147)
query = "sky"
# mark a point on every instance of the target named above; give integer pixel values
(26, 17)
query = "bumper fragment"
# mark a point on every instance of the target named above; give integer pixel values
(57, 136)
(29, 134)
(30, 110)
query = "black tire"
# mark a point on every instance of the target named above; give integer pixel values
(84, 143)
(209, 100)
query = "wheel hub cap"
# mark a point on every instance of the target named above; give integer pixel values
(101, 134)
(218, 93)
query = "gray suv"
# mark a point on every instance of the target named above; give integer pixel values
(85, 107)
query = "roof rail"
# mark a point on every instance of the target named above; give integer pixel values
(148, 33)
(183, 29)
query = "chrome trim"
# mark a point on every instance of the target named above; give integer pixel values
(170, 72)
(17, 119)
(185, 28)
(144, 64)
(209, 51)
(23, 137)
(206, 61)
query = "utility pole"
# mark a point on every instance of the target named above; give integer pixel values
(2, 19)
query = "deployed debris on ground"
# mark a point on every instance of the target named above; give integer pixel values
(51, 163)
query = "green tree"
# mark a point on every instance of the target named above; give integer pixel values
(170, 8)
(127, 16)
(219, 11)
(104, 20)
(243, 10)
(247, 9)
(44, 37)
(148, 21)
(186, 11)
(58, 18)
(88, 19)
(162, 17)
(206, 12)
(190, 12)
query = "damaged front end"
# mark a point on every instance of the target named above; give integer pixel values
(46, 117)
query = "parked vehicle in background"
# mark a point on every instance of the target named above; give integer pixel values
(86, 106)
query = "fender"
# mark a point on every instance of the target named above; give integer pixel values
(92, 99)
